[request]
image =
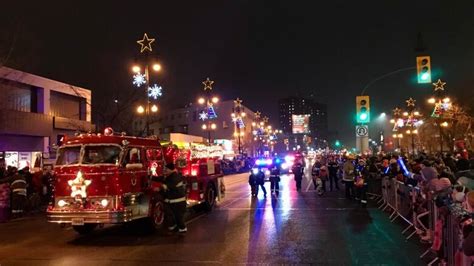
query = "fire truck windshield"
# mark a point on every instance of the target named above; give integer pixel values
(91, 154)
(101, 154)
(69, 155)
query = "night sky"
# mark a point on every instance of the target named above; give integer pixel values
(259, 51)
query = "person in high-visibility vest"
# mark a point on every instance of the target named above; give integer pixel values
(18, 187)
(175, 198)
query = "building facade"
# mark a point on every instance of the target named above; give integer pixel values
(35, 113)
(313, 117)
(187, 121)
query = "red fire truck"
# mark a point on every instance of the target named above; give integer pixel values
(106, 179)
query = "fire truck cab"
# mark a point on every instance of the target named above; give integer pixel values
(107, 179)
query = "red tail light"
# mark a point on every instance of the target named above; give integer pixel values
(195, 169)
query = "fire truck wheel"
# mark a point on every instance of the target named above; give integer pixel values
(84, 229)
(211, 195)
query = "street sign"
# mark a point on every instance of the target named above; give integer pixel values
(362, 131)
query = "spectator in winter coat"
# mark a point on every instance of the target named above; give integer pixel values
(348, 177)
(428, 172)
(298, 171)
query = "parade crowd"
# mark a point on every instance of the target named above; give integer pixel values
(445, 180)
(22, 191)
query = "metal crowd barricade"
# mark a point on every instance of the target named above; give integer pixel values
(401, 200)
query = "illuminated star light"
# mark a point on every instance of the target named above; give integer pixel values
(139, 79)
(79, 186)
(145, 43)
(203, 116)
(439, 85)
(397, 111)
(207, 84)
(410, 102)
(257, 114)
(265, 119)
(238, 102)
(155, 91)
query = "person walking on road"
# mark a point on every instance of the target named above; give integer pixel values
(315, 173)
(275, 179)
(261, 182)
(253, 182)
(298, 171)
(348, 177)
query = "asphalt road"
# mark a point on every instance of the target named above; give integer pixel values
(293, 228)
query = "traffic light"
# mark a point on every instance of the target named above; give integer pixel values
(363, 109)
(337, 143)
(423, 69)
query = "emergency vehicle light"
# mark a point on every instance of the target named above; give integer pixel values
(104, 203)
(260, 162)
(62, 203)
(194, 169)
(108, 131)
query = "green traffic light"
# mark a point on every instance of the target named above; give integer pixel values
(363, 116)
(338, 143)
(425, 76)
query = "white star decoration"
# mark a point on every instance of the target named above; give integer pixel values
(139, 79)
(155, 91)
(203, 116)
(79, 186)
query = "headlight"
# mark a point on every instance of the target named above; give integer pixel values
(284, 166)
(62, 203)
(267, 172)
(104, 203)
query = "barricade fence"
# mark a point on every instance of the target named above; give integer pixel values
(419, 211)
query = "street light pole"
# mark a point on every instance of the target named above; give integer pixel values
(140, 80)
(147, 109)
(208, 113)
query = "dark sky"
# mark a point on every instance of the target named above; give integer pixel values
(259, 51)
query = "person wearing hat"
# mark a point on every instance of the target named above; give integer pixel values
(175, 198)
(360, 181)
(18, 187)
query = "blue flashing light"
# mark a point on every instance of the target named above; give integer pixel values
(403, 166)
(277, 161)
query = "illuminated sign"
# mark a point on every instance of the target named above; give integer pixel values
(300, 124)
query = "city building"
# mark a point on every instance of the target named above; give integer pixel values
(187, 120)
(35, 113)
(304, 121)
